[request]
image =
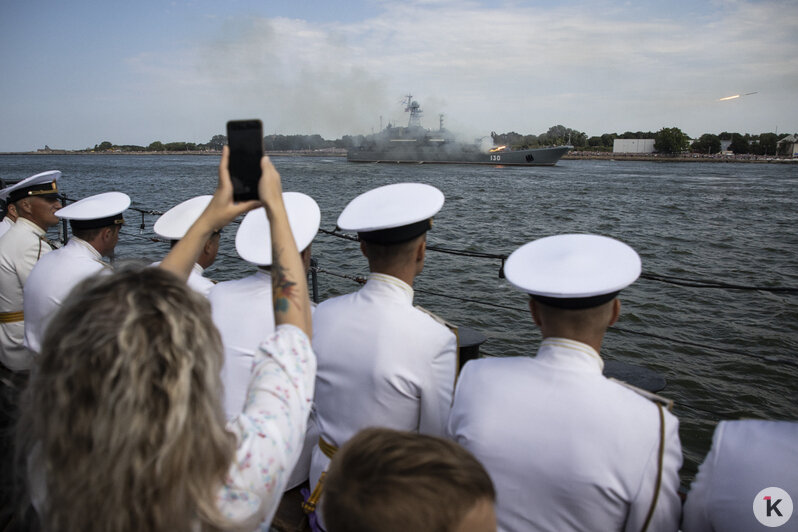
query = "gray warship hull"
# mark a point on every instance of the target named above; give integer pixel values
(459, 154)
(415, 145)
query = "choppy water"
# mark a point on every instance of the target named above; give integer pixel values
(727, 222)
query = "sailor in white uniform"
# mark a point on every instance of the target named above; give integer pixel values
(173, 225)
(381, 361)
(95, 222)
(10, 212)
(36, 199)
(6, 223)
(243, 308)
(747, 456)
(567, 448)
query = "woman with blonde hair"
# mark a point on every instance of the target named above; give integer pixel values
(123, 427)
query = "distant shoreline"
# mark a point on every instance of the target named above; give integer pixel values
(574, 155)
(689, 158)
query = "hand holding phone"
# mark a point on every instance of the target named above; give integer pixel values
(245, 138)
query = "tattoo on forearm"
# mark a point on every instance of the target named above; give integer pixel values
(283, 289)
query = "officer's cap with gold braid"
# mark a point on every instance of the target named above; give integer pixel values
(100, 210)
(43, 185)
(573, 271)
(253, 239)
(392, 214)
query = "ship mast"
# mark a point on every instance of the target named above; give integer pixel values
(414, 109)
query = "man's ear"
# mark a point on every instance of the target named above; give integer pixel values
(533, 308)
(421, 250)
(207, 249)
(616, 311)
(23, 206)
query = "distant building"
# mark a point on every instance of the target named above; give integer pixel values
(792, 145)
(633, 146)
(724, 147)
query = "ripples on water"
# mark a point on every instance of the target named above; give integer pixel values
(727, 222)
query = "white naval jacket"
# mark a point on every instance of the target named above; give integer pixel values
(567, 449)
(20, 248)
(381, 362)
(51, 280)
(196, 280)
(746, 457)
(243, 312)
(5, 224)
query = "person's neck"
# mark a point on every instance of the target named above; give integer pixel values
(99, 248)
(591, 340)
(31, 220)
(403, 274)
(95, 244)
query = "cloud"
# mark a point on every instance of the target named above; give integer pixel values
(491, 67)
(596, 67)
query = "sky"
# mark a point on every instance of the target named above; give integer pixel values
(78, 73)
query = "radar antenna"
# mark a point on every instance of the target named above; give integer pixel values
(412, 107)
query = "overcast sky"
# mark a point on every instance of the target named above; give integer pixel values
(78, 73)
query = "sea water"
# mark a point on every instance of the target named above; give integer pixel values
(725, 353)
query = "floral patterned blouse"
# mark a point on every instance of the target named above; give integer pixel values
(271, 429)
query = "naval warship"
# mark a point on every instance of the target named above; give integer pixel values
(416, 144)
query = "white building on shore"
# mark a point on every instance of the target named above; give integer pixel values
(792, 145)
(633, 146)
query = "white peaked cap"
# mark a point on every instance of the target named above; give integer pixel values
(96, 207)
(391, 207)
(573, 267)
(32, 186)
(253, 239)
(174, 223)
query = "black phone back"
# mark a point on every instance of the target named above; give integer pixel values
(245, 138)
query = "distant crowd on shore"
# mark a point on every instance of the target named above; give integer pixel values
(687, 157)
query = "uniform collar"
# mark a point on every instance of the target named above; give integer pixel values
(32, 226)
(574, 354)
(199, 270)
(394, 283)
(80, 242)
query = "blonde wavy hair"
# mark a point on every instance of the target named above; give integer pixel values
(123, 421)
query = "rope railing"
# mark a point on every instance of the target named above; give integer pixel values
(678, 281)
(362, 280)
(673, 280)
(772, 359)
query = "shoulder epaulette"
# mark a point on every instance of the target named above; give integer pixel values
(664, 401)
(452, 327)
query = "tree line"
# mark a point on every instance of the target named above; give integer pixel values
(667, 140)
(270, 143)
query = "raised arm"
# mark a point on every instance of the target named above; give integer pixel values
(220, 211)
(289, 284)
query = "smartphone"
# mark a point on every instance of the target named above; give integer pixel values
(245, 138)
